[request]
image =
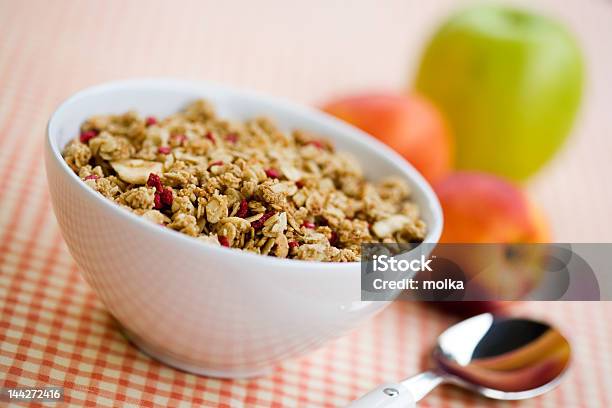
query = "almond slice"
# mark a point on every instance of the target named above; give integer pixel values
(136, 171)
(388, 226)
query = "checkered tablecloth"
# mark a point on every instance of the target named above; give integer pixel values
(53, 329)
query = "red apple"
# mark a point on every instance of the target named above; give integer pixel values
(409, 124)
(493, 215)
(482, 208)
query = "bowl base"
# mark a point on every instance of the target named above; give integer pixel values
(168, 360)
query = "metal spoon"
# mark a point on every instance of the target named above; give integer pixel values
(498, 357)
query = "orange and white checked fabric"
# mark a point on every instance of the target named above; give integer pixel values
(54, 331)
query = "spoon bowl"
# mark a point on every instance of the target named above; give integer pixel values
(503, 358)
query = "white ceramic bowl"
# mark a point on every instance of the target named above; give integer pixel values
(203, 308)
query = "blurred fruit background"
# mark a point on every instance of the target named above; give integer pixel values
(495, 95)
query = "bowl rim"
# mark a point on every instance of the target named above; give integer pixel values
(309, 113)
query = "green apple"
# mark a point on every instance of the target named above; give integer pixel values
(509, 82)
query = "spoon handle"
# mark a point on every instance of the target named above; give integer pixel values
(389, 395)
(400, 395)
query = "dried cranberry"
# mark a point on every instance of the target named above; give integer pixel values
(164, 150)
(166, 196)
(272, 173)
(180, 139)
(157, 201)
(299, 184)
(88, 135)
(210, 137)
(294, 244)
(308, 224)
(258, 224)
(155, 181)
(223, 241)
(150, 120)
(92, 177)
(243, 211)
(231, 137)
(333, 239)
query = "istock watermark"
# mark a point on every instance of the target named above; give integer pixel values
(384, 263)
(487, 272)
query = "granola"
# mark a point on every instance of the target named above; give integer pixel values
(243, 185)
